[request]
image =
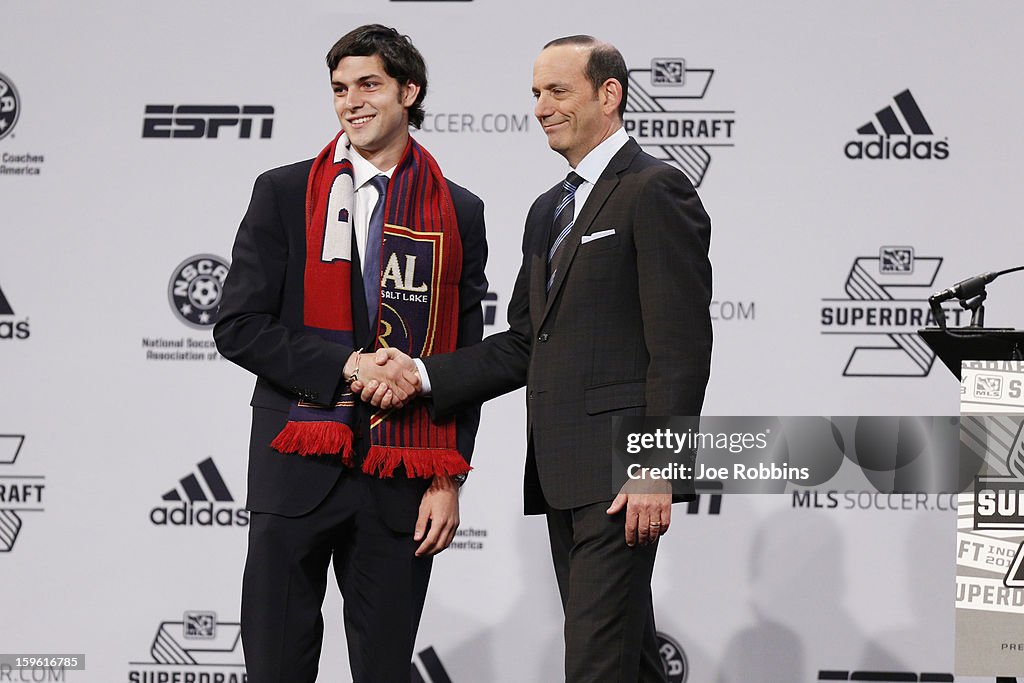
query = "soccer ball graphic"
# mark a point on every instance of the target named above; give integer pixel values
(205, 292)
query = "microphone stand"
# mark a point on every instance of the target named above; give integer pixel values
(970, 294)
(976, 305)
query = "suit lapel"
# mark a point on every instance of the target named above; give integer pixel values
(598, 196)
(538, 251)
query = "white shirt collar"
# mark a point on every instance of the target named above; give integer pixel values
(363, 171)
(592, 166)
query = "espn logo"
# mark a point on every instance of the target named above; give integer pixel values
(205, 121)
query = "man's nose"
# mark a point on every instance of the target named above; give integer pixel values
(542, 107)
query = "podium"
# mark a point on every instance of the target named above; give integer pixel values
(955, 344)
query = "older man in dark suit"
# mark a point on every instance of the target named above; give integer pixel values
(609, 316)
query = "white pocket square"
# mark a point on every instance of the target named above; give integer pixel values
(596, 236)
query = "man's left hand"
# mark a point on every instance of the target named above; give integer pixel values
(648, 515)
(439, 516)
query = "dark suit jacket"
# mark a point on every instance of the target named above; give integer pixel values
(260, 328)
(625, 329)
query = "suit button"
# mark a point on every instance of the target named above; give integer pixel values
(543, 337)
(530, 395)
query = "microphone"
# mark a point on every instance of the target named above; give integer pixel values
(970, 293)
(965, 289)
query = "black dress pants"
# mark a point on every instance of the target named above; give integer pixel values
(606, 594)
(383, 585)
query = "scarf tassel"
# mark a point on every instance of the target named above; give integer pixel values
(314, 438)
(422, 463)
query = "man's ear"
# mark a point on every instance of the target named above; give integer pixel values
(410, 91)
(610, 93)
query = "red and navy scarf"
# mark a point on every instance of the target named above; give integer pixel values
(421, 263)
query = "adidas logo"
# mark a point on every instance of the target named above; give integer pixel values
(194, 491)
(11, 329)
(203, 499)
(893, 130)
(5, 308)
(433, 670)
(891, 124)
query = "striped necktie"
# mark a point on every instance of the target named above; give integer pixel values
(562, 224)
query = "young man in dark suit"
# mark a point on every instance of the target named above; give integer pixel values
(365, 246)
(609, 316)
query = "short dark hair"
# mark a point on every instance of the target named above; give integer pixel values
(402, 61)
(604, 62)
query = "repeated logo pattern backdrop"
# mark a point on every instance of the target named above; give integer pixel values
(853, 161)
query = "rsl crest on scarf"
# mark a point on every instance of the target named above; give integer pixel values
(421, 264)
(410, 280)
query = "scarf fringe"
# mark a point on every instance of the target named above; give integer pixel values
(314, 438)
(422, 463)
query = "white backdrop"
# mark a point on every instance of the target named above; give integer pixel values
(96, 219)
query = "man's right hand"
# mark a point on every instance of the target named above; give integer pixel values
(389, 380)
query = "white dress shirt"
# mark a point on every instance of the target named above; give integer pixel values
(592, 166)
(365, 197)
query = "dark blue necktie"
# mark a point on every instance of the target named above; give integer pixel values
(562, 224)
(371, 254)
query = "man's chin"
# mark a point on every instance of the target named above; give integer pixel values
(555, 143)
(359, 139)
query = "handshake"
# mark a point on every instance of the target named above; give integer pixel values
(385, 379)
